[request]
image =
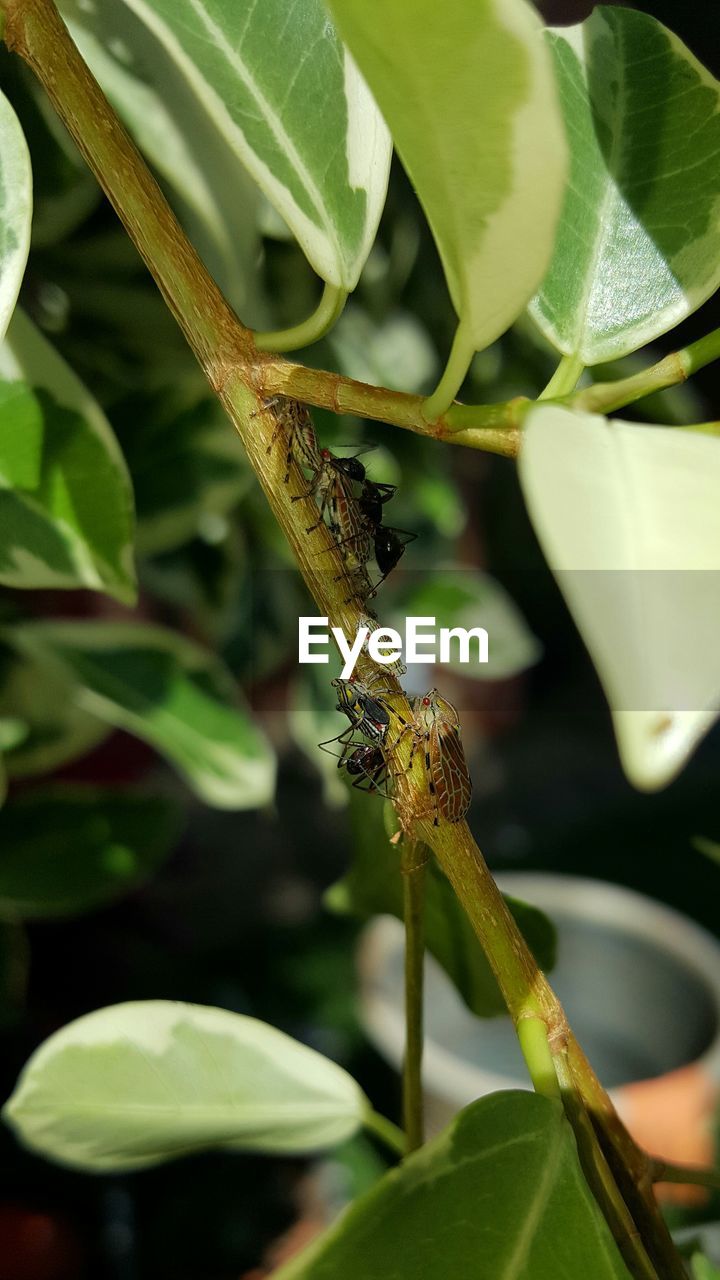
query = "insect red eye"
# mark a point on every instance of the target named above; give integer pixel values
(325, 454)
(426, 702)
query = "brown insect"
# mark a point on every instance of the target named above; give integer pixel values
(331, 484)
(436, 730)
(302, 445)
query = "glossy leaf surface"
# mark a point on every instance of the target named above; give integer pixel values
(139, 1083)
(638, 244)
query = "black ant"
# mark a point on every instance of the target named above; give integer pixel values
(331, 481)
(388, 543)
(367, 767)
(365, 762)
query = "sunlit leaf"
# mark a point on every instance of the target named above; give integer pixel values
(629, 520)
(638, 244)
(65, 850)
(15, 210)
(469, 95)
(143, 82)
(66, 508)
(498, 1196)
(135, 1084)
(166, 690)
(285, 95)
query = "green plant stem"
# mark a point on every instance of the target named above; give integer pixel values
(533, 1036)
(495, 428)
(34, 29)
(327, 312)
(459, 360)
(413, 858)
(386, 1131)
(564, 379)
(600, 1177)
(236, 371)
(606, 397)
(527, 993)
(692, 1175)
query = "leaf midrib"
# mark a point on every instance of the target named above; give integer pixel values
(535, 1210)
(273, 121)
(611, 190)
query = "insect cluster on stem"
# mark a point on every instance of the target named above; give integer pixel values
(353, 504)
(434, 730)
(355, 508)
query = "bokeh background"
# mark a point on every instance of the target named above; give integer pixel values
(234, 914)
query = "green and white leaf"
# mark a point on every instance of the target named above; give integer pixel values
(15, 210)
(629, 520)
(170, 126)
(66, 507)
(466, 597)
(50, 729)
(638, 244)
(499, 1195)
(469, 95)
(64, 851)
(279, 87)
(139, 1083)
(65, 192)
(167, 691)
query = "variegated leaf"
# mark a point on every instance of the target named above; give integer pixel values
(638, 243)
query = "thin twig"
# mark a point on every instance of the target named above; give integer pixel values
(413, 858)
(693, 1175)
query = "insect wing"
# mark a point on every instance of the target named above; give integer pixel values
(348, 526)
(448, 766)
(444, 755)
(304, 442)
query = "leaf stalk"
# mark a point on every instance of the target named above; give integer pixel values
(413, 859)
(327, 312)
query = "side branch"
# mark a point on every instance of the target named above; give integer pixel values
(606, 397)
(493, 427)
(528, 994)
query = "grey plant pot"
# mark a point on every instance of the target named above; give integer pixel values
(640, 984)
